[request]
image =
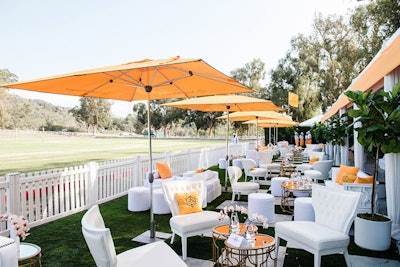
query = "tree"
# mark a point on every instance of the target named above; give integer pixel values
(5, 105)
(372, 24)
(295, 74)
(7, 77)
(93, 112)
(140, 111)
(251, 76)
(202, 120)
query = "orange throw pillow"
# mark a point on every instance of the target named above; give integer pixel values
(188, 202)
(163, 170)
(348, 178)
(350, 170)
(364, 180)
(199, 171)
(313, 160)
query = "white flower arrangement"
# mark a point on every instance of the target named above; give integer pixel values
(259, 218)
(228, 210)
(20, 224)
(256, 218)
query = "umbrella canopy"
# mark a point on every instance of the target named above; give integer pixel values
(225, 103)
(141, 80)
(273, 123)
(164, 78)
(254, 115)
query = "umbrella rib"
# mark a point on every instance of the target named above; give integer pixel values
(206, 76)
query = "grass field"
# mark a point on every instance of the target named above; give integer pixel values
(34, 152)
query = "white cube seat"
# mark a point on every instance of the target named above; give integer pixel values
(8, 252)
(276, 185)
(303, 209)
(263, 204)
(160, 205)
(222, 164)
(139, 198)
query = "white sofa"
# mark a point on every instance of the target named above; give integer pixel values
(365, 189)
(211, 179)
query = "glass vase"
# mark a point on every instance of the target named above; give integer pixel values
(234, 224)
(13, 235)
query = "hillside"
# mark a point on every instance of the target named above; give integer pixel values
(22, 113)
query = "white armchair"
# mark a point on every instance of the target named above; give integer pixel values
(250, 169)
(239, 188)
(320, 170)
(192, 224)
(265, 161)
(101, 246)
(334, 213)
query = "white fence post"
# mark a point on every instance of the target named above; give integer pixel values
(14, 193)
(92, 188)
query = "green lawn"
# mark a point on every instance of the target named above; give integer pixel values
(33, 152)
(63, 244)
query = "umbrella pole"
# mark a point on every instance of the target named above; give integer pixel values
(151, 178)
(227, 151)
(269, 135)
(257, 133)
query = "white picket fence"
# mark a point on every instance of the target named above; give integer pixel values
(48, 195)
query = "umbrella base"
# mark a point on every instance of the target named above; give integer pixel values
(145, 237)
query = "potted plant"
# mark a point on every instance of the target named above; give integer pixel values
(379, 132)
(336, 130)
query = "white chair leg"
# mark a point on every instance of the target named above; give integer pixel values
(233, 196)
(277, 241)
(347, 258)
(317, 260)
(172, 238)
(184, 247)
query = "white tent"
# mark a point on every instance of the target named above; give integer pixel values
(311, 122)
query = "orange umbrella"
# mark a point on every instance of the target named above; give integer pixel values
(225, 103)
(255, 115)
(276, 124)
(141, 80)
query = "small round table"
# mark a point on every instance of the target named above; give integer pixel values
(256, 255)
(288, 187)
(29, 255)
(221, 232)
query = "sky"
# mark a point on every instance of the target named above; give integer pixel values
(49, 37)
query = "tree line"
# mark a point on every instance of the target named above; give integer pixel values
(318, 67)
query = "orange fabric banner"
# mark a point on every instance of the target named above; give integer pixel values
(293, 100)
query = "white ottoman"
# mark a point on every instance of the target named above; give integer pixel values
(8, 252)
(160, 205)
(222, 164)
(237, 163)
(303, 209)
(276, 188)
(263, 204)
(139, 198)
